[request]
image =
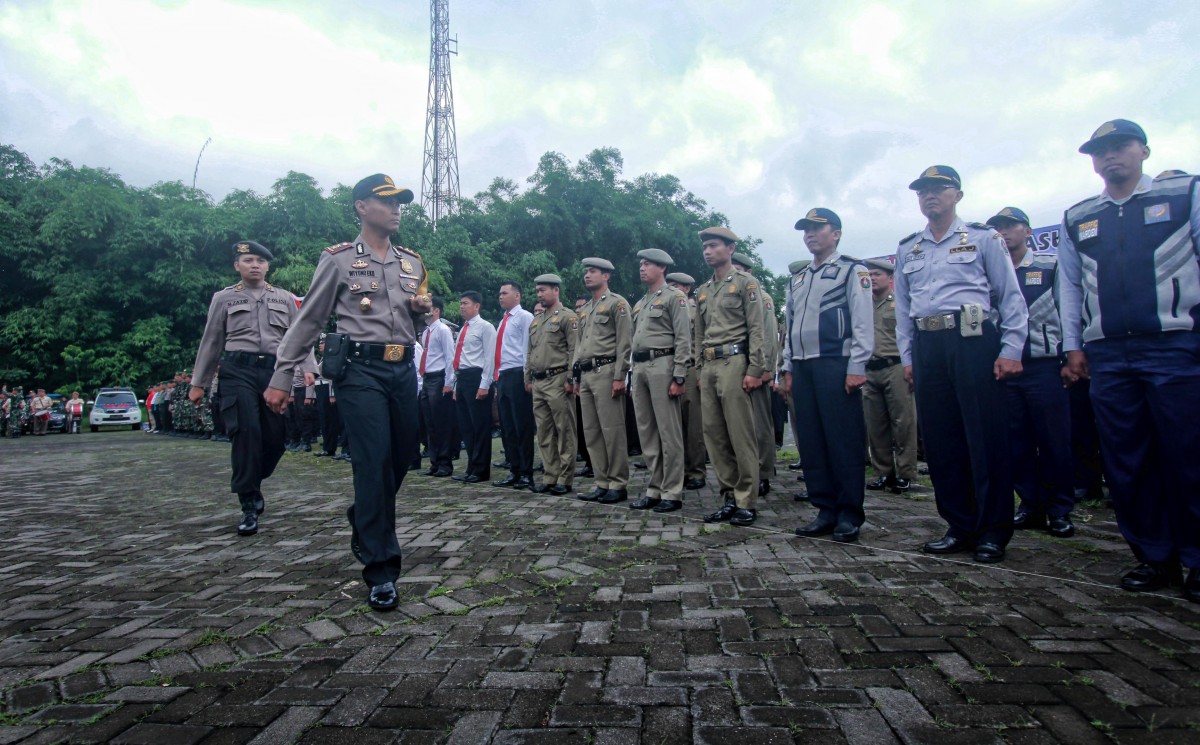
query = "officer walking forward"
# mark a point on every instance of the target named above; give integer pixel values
(246, 322)
(958, 360)
(379, 293)
(662, 334)
(553, 336)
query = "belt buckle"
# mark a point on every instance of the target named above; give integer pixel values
(710, 354)
(393, 352)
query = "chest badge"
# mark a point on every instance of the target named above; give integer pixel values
(355, 287)
(1158, 213)
(830, 272)
(365, 304)
(1089, 229)
(374, 285)
(411, 285)
(406, 266)
(360, 264)
(1033, 278)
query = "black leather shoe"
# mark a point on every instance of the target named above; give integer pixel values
(431, 471)
(645, 503)
(1025, 520)
(846, 534)
(743, 517)
(795, 466)
(764, 488)
(724, 513)
(694, 484)
(471, 478)
(559, 489)
(1060, 527)
(1191, 588)
(260, 505)
(593, 495)
(639, 465)
(506, 481)
(947, 544)
(989, 553)
(523, 483)
(586, 472)
(502, 464)
(612, 496)
(320, 454)
(1148, 577)
(815, 528)
(441, 473)
(540, 488)
(383, 597)
(901, 485)
(668, 505)
(249, 523)
(800, 476)
(305, 448)
(802, 496)
(879, 484)
(634, 452)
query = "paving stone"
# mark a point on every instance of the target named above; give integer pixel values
(161, 734)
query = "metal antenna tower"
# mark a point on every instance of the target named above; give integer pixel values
(439, 174)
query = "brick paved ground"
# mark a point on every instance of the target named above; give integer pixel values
(130, 612)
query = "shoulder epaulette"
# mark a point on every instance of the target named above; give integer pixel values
(338, 247)
(409, 250)
(849, 259)
(233, 287)
(980, 226)
(908, 237)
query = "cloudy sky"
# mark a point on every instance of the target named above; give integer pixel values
(764, 109)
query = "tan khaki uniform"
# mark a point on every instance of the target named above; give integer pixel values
(661, 322)
(730, 312)
(604, 332)
(760, 398)
(888, 405)
(553, 337)
(693, 421)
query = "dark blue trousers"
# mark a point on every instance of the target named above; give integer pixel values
(963, 411)
(1085, 443)
(832, 438)
(1146, 393)
(1039, 413)
(256, 431)
(475, 422)
(378, 401)
(516, 421)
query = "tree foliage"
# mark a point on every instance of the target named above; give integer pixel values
(102, 283)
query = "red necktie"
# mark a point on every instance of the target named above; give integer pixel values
(499, 340)
(462, 336)
(425, 352)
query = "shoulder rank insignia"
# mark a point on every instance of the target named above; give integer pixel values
(338, 247)
(239, 287)
(407, 250)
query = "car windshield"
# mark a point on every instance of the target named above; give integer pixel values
(119, 400)
(58, 408)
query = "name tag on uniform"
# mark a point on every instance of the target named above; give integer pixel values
(1033, 278)
(1089, 229)
(962, 249)
(1158, 213)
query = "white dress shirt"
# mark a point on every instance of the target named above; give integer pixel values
(478, 349)
(439, 343)
(514, 345)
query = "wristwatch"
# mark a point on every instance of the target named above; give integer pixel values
(679, 380)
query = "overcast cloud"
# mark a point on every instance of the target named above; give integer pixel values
(763, 109)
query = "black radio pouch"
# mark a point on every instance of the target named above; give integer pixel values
(333, 364)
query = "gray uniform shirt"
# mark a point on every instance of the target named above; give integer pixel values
(370, 295)
(241, 319)
(829, 314)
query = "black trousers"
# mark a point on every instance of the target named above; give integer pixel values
(378, 401)
(438, 410)
(475, 422)
(963, 411)
(256, 431)
(218, 422)
(832, 434)
(516, 421)
(328, 419)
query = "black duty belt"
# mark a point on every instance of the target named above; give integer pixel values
(594, 362)
(435, 373)
(549, 372)
(250, 359)
(725, 350)
(361, 350)
(881, 363)
(649, 354)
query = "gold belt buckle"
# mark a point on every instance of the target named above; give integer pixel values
(393, 352)
(710, 353)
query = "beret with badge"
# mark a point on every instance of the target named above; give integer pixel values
(250, 248)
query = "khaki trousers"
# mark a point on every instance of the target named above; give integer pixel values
(693, 427)
(729, 428)
(764, 430)
(554, 413)
(660, 427)
(891, 418)
(604, 428)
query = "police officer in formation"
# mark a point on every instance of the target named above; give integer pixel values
(601, 363)
(1039, 408)
(760, 398)
(553, 336)
(830, 336)
(246, 322)
(729, 336)
(888, 404)
(1129, 289)
(958, 358)
(689, 409)
(662, 350)
(379, 293)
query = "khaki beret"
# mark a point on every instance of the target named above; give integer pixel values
(719, 231)
(657, 255)
(603, 264)
(881, 264)
(547, 279)
(742, 259)
(798, 265)
(681, 278)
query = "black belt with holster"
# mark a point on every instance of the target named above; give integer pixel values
(649, 354)
(725, 350)
(881, 363)
(593, 363)
(363, 350)
(549, 372)
(250, 359)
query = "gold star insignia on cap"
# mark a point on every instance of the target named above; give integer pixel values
(930, 172)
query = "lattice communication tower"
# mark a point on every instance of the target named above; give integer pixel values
(439, 174)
